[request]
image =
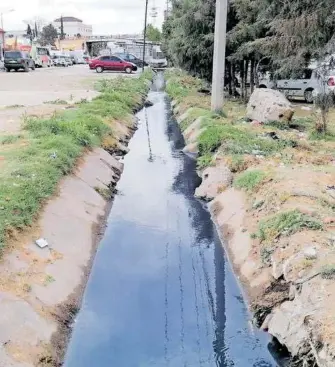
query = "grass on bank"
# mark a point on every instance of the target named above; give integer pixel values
(286, 224)
(29, 175)
(236, 138)
(250, 180)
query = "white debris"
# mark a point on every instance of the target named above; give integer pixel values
(41, 242)
(310, 253)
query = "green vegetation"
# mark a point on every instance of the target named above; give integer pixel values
(250, 180)
(30, 175)
(237, 139)
(204, 161)
(153, 33)
(285, 224)
(57, 102)
(266, 253)
(328, 271)
(105, 192)
(262, 35)
(181, 85)
(9, 139)
(237, 163)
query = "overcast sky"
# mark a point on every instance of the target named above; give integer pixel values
(106, 16)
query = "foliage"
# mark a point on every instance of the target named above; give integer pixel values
(204, 161)
(48, 35)
(286, 223)
(284, 36)
(328, 271)
(29, 175)
(188, 36)
(250, 180)
(153, 33)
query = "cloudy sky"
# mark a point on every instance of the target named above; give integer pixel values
(106, 16)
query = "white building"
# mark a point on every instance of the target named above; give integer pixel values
(73, 27)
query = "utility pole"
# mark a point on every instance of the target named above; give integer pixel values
(145, 32)
(61, 28)
(219, 55)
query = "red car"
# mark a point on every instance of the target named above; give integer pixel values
(111, 63)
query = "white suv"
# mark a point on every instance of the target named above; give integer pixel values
(305, 87)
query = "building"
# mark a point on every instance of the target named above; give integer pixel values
(73, 27)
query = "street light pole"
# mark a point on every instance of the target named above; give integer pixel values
(219, 55)
(145, 32)
(3, 36)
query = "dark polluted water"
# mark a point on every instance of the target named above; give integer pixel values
(161, 291)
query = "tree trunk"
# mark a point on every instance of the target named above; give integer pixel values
(230, 84)
(233, 84)
(246, 65)
(256, 73)
(242, 79)
(252, 75)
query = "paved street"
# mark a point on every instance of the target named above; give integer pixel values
(29, 93)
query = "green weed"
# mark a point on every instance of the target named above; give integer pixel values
(204, 161)
(285, 224)
(57, 102)
(9, 139)
(237, 140)
(328, 271)
(237, 163)
(250, 180)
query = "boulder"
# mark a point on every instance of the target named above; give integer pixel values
(214, 181)
(267, 105)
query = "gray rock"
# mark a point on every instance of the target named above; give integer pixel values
(214, 179)
(267, 105)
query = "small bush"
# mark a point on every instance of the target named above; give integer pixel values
(237, 163)
(9, 139)
(249, 180)
(328, 271)
(204, 161)
(286, 224)
(266, 253)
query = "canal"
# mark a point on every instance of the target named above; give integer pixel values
(161, 291)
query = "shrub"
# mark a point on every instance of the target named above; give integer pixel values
(328, 271)
(286, 223)
(249, 180)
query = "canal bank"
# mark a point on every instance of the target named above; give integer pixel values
(161, 291)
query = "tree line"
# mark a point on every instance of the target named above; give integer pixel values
(284, 34)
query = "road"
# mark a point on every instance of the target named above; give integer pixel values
(161, 292)
(35, 93)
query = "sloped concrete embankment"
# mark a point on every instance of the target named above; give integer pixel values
(41, 289)
(288, 272)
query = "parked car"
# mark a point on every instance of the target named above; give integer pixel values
(131, 58)
(306, 86)
(60, 60)
(69, 60)
(16, 60)
(114, 63)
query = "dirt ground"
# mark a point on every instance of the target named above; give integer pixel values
(38, 92)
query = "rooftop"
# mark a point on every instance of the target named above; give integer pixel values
(68, 19)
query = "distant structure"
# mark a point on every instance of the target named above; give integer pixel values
(154, 13)
(74, 27)
(167, 11)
